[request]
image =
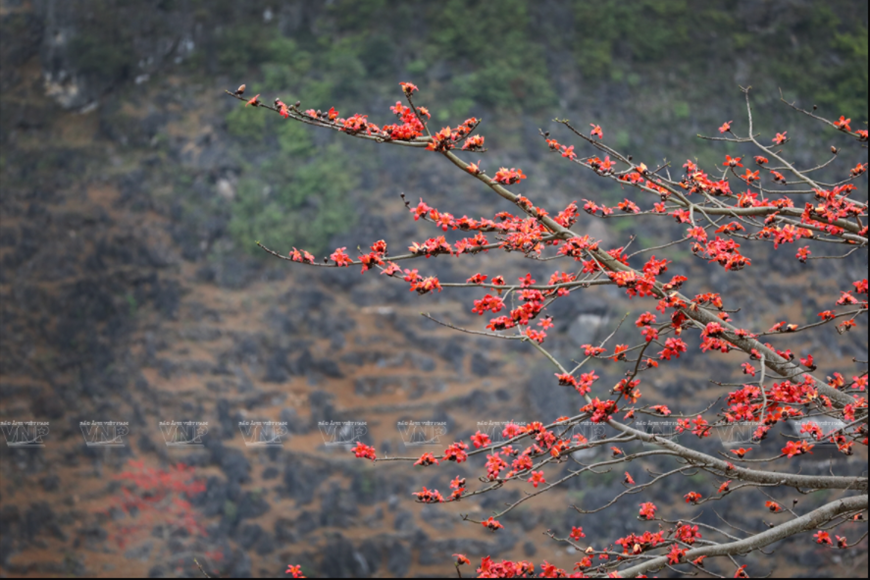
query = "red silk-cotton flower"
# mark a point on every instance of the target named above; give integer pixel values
(301, 256)
(732, 161)
(780, 138)
(492, 524)
(428, 496)
(596, 131)
(647, 510)
(793, 448)
(537, 478)
(426, 459)
(577, 533)
(692, 497)
(773, 506)
(295, 571)
(341, 258)
(843, 124)
(726, 127)
(676, 554)
(364, 451)
(480, 440)
(823, 537)
(628, 480)
(688, 534)
(456, 452)
(750, 176)
(509, 176)
(461, 559)
(408, 88)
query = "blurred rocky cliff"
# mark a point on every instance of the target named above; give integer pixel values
(133, 190)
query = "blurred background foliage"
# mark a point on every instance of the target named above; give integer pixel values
(673, 66)
(477, 57)
(145, 159)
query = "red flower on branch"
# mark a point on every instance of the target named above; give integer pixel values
(843, 124)
(647, 510)
(509, 176)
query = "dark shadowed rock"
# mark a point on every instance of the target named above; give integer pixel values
(338, 508)
(342, 560)
(285, 531)
(299, 484)
(40, 519)
(399, 559)
(252, 505)
(481, 365)
(241, 565)
(248, 535)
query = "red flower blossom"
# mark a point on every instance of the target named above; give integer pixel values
(676, 554)
(364, 451)
(341, 258)
(750, 176)
(480, 440)
(509, 176)
(648, 510)
(537, 478)
(843, 124)
(426, 459)
(692, 497)
(803, 254)
(793, 448)
(773, 506)
(428, 496)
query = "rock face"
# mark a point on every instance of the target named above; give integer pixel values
(89, 48)
(124, 295)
